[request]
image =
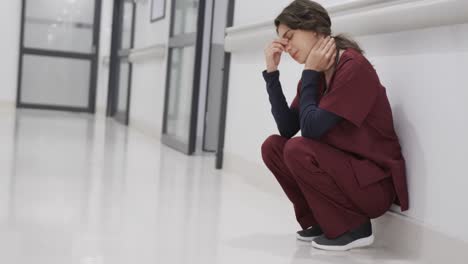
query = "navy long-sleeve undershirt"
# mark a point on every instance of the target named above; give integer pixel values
(287, 119)
(311, 120)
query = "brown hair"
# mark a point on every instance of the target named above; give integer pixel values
(310, 15)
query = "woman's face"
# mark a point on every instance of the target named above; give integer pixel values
(300, 42)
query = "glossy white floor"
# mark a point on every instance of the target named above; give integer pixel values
(79, 190)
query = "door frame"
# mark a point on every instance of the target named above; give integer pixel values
(116, 56)
(225, 91)
(179, 42)
(93, 58)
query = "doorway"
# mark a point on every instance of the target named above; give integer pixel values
(183, 75)
(58, 55)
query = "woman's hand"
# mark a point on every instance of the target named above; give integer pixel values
(273, 54)
(322, 55)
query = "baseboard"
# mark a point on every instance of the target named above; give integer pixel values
(406, 234)
(252, 173)
(100, 112)
(145, 128)
(403, 238)
(7, 104)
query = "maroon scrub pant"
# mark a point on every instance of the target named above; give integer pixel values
(319, 181)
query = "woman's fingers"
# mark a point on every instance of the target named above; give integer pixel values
(283, 42)
(323, 43)
(276, 45)
(331, 61)
(276, 50)
(318, 44)
(329, 45)
(330, 50)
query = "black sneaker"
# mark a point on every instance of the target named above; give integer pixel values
(309, 234)
(359, 237)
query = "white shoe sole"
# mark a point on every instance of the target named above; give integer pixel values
(306, 239)
(363, 242)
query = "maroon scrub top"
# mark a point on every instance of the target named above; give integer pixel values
(367, 133)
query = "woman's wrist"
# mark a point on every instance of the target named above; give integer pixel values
(271, 69)
(310, 68)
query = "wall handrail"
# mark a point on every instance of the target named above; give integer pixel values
(157, 51)
(363, 17)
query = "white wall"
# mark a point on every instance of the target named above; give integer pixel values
(10, 21)
(148, 80)
(424, 72)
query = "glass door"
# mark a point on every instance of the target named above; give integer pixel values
(121, 68)
(58, 54)
(183, 75)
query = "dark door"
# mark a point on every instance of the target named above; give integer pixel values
(183, 75)
(120, 78)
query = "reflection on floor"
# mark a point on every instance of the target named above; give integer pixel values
(76, 189)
